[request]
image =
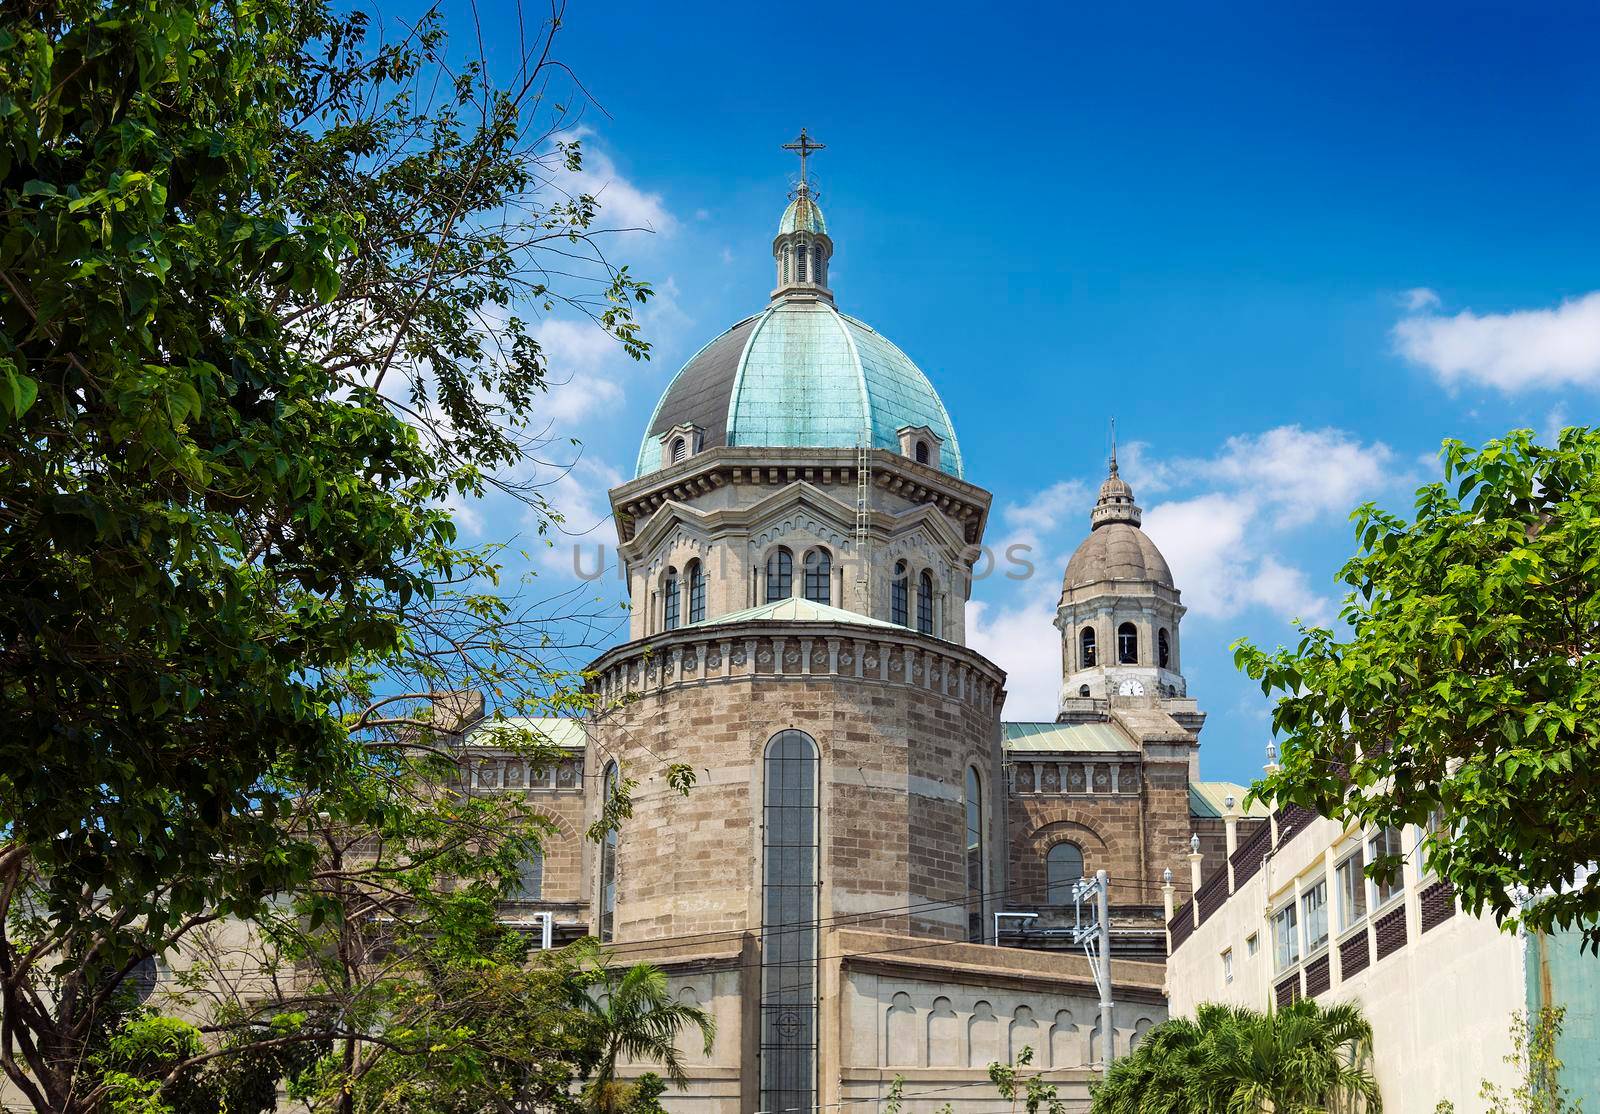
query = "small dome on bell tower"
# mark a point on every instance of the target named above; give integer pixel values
(802, 249)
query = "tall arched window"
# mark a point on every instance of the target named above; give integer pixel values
(608, 857)
(669, 600)
(787, 252)
(899, 590)
(1163, 653)
(1086, 648)
(974, 856)
(696, 574)
(789, 925)
(800, 271)
(680, 449)
(1127, 644)
(819, 576)
(925, 602)
(922, 452)
(780, 575)
(1063, 867)
(816, 262)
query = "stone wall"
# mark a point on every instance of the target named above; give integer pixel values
(897, 718)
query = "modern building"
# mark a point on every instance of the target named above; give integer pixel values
(865, 828)
(1294, 916)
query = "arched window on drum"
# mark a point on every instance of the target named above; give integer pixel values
(1063, 867)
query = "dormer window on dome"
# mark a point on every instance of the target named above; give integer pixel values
(681, 442)
(920, 443)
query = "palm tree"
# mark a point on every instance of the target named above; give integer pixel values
(1303, 1059)
(640, 1019)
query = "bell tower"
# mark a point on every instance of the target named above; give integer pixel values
(1119, 611)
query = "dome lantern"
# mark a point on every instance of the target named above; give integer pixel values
(802, 248)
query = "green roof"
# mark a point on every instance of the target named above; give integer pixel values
(1077, 738)
(558, 730)
(801, 375)
(797, 610)
(802, 215)
(1207, 799)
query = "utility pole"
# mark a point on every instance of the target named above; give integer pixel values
(1095, 937)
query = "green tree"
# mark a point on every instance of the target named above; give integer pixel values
(1465, 694)
(1231, 1060)
(641, 1020)
(228, 586)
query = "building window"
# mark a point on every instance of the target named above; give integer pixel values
(925, 602)
(1083, 691)
(1163, 653)
(800, 257)
(1086, 648)
(669, 600)
(816, 261)
(696, 573)
(1387, 883)
(974, 856)
(1314, 915)
(1227, 965)
(608, 857)
(1285, 937)
(898, 591)
(530, 878)
(1127, 644)
(819, 576)
(1063, 869)
(922, 452)
(786, 254)
(789, 924)
(680, 449)
(1352, 891)
(780, 575)
(1252, 943)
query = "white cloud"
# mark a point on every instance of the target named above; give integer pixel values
(579, 495)
(1419, 298)
(1046, 509)
(1220, 562)
(623, 204)
(1023, 642)
(1302, 473)
(1510, 351)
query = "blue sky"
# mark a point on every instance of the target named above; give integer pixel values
(1289, 250)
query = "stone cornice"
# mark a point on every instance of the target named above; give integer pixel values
(635, 501)
(787, 650)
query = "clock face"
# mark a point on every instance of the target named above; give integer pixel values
(1130, 687)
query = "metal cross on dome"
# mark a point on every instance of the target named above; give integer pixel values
(803, 147)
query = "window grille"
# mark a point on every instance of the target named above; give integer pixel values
(697, 592)
(788, 1036)
(819, 576)
(780, 576)
(608, 858)
(898, 591)
(669, 601)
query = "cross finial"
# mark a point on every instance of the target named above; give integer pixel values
(803, 147)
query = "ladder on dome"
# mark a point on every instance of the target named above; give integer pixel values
(863, 538)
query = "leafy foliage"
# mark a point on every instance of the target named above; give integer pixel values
(1231, 1060)
(1538, 1069)
(263, 313)
(1466, 697)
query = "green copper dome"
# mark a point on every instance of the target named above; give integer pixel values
(803, 215)
(800, 374)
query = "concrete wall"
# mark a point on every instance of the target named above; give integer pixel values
(1440, 1005)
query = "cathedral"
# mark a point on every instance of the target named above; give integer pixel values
(872, 874)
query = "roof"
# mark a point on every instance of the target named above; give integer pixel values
(1117, 551)
(1081, 738)
(557, 730)
(797, 610)
(1208, 799)
(803, 215)
(800, 374)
